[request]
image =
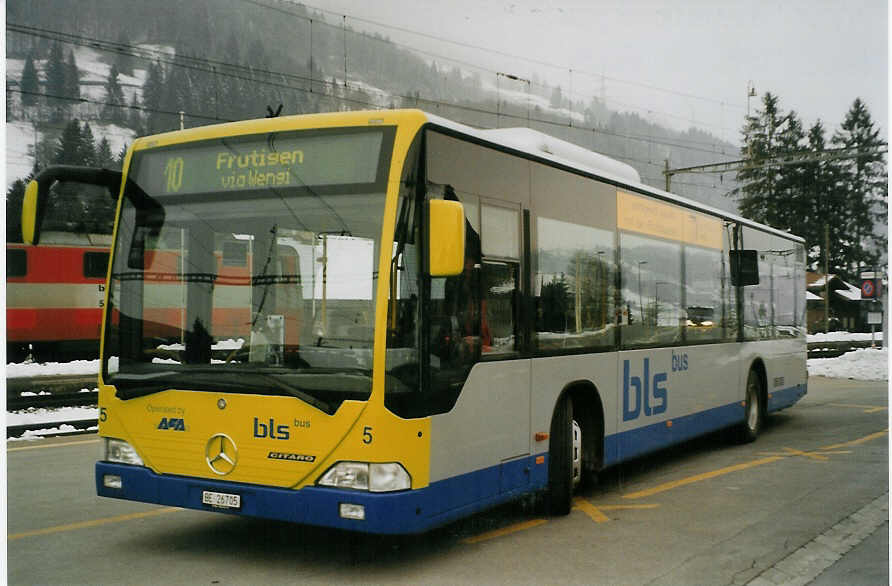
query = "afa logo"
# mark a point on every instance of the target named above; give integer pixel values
(643, 393)
(172, 423)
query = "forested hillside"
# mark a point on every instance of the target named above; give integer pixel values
(123, 68)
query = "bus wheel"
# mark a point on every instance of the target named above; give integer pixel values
(752, 424)
(564, 459)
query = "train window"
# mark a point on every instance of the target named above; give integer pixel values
(16, 262)
(95, 264)
(235, 254)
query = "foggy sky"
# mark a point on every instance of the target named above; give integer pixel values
(676, 63)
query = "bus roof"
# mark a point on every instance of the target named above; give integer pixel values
(524, 141)
(538, 145)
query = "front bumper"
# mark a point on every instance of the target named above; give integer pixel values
(404, 512)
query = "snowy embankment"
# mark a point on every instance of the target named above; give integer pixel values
(32, 416)
(844, 337)
(863, 364)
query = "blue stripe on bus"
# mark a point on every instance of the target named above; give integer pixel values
(416, 510)
(650, 438)
(786, 397)
(386, 513)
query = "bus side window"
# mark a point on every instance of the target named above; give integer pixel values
(498, 327)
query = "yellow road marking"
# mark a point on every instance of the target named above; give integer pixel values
(858, 441)
(700, 477)
(92, 523)
(505, 531)
(589, 509)
(752, 464)
(819, 456)
(867, 408)
(45, 446)
(626, 507)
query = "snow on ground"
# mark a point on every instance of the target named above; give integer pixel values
(843, 337)
(19, 150)
(862, 364)
(29, 369)
(50, 417)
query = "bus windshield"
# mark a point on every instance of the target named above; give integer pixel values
(249, 264)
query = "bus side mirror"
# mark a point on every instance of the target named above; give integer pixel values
(446, 238)
(37, 192)
(744, 268)
(30, 223)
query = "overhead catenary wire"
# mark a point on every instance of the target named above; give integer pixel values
(263, 76)
(293, 82)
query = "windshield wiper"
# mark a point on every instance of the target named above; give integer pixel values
(131, 386)
(300, 394)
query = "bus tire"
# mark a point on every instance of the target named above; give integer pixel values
(754, 411)
(559, 497)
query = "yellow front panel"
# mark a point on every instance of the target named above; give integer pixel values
(280, 441)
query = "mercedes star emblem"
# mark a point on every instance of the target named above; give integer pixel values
(221, 454)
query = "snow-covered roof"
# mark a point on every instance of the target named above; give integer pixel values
(809, 296)
(819, 282)
(850, 293)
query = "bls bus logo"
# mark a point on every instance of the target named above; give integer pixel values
(271, 430)
(173, 423)
(638, 391)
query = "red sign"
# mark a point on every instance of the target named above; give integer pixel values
(869, 289)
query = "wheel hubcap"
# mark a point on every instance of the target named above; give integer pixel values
(752, 416)
(577, 454)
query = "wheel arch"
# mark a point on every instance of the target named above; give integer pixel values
(588, 411)
(758, 366)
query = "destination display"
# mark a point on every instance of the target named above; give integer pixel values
(270, 161)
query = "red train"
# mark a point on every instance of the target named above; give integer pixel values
(56, 290)
(54, 296)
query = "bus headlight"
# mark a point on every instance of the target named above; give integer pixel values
(119, 451)
(374, 477)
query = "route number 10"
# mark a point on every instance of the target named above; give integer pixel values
(174, 173)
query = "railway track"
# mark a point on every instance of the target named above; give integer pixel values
(48, 392)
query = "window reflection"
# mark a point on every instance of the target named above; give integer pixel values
(573, 286)
(705, 282)
(651, 312)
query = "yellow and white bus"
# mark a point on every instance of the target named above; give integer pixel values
(383, 321)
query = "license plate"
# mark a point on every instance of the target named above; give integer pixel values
(221, 500)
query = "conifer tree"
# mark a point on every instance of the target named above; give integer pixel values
(55, 82)
(72, 78)
(124, 60)
(68, 147)
(792, 207)
(134, 117)
(86, 153)
(864, 187)
(761, 133)
(152, 91)
(819, 183)
(104, 156)
(29, 84)
(113, 111)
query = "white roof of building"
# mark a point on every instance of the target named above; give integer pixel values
(850, 293)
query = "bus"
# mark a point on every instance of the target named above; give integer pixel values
(429, 319)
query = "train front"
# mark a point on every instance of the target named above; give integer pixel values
(239, 346)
